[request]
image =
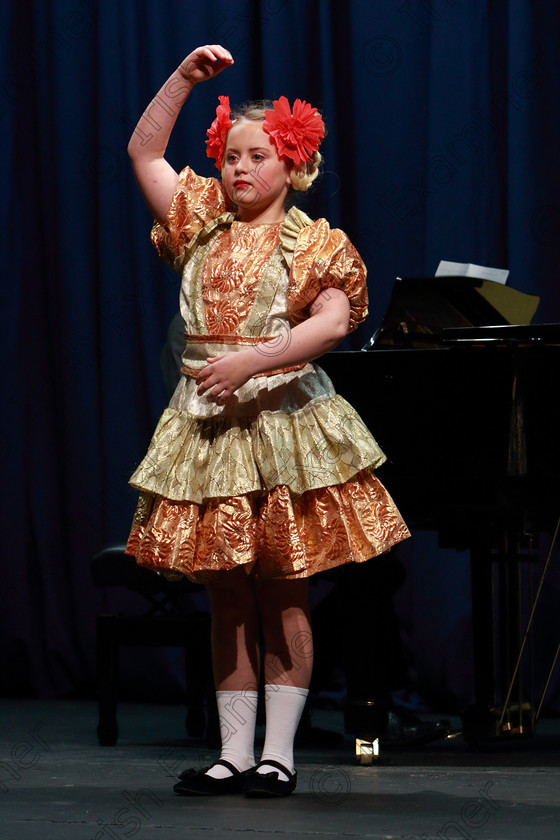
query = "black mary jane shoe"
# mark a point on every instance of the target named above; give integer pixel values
(268, 784)
(197, 783)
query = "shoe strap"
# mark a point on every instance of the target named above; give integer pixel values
(276, 764)
(226, 764)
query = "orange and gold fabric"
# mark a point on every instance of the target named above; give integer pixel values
(279, 480)
(317, 256)
(278, 535)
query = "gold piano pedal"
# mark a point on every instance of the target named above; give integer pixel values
(482, 723)
(518, 720)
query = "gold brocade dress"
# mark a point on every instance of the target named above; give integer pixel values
(279, 480)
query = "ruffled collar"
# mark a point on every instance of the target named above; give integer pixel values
(296, 220)
(200, 236)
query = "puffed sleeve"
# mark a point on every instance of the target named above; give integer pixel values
(325, 258)
(196, 201)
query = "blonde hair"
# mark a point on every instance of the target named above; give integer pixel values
(301, 176)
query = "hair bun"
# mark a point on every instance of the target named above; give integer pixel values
(303, 176)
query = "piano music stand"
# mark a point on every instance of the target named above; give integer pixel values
(422, 308)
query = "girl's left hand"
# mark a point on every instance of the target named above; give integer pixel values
(224, 375)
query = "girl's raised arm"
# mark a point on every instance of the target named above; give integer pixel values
(156, 177)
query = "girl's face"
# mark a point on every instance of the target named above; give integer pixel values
(253, 176)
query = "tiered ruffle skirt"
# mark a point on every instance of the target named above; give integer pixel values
(284, 493)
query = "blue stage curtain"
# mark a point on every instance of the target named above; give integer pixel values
(443, 139)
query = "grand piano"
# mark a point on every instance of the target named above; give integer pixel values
(464, 405)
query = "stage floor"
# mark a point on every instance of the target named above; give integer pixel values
(56, 782)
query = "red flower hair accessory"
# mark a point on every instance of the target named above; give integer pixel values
(217, 133)
(296, 134)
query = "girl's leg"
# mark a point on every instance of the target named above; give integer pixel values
(235, 658)
(235, 645)
(286, 626)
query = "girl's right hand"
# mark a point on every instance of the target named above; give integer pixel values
(156, 177)
(204, 63)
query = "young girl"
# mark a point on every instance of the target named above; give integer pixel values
(258, 474)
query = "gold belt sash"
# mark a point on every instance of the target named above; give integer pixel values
(198, 348)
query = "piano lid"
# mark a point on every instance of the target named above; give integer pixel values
(421, 309)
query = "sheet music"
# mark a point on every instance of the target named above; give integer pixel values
(482, 272)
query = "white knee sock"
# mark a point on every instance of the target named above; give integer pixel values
(284, 706)
(237, 712)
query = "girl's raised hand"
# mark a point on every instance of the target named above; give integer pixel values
(205, 62)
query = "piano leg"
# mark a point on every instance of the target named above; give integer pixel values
(518, 717)
(500, 707)
(482, 594)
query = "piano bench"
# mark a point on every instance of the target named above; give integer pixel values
(165, 623)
